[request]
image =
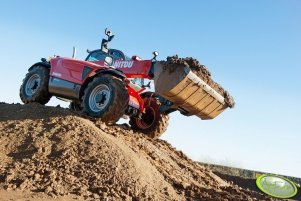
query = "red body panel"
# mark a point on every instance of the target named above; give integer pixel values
(132, 68)
(71, 69)
(135, 99)
(135, 68)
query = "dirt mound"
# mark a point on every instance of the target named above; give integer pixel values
(51, 150)
(201, 71)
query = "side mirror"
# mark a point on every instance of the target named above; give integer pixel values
(108, 61)
(104, 43)
(155, 53)
(109, 34)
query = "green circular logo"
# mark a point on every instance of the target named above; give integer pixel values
(276, 186)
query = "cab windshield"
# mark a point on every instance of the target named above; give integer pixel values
(99, 55)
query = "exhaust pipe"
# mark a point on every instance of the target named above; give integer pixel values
(74, 52)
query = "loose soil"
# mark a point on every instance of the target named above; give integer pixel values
(48, 152)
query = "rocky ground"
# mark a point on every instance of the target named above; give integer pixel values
(49, 153)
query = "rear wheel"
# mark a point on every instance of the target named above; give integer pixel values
(151, 123)
(106, 98)
(35, 86)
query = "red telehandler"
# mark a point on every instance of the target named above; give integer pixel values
(102, 87)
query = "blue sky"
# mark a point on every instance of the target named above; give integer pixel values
(252, 48)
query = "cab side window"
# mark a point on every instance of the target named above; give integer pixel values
(97, 56)
(117, 55)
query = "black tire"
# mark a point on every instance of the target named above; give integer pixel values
(35, 86)
(105, 97)
(76, 107)
(152, 123)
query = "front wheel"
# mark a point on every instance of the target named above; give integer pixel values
(152, 123)
(105, 97)
(35, 86)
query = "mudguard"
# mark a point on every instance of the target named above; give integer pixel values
(114, 72)
(41, 63)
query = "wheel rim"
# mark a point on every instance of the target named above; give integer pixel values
(32, 85)
(99, 98)
(147, 119)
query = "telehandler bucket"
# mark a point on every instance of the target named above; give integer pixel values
(187, 91)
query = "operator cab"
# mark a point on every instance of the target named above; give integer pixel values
(99, 55)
